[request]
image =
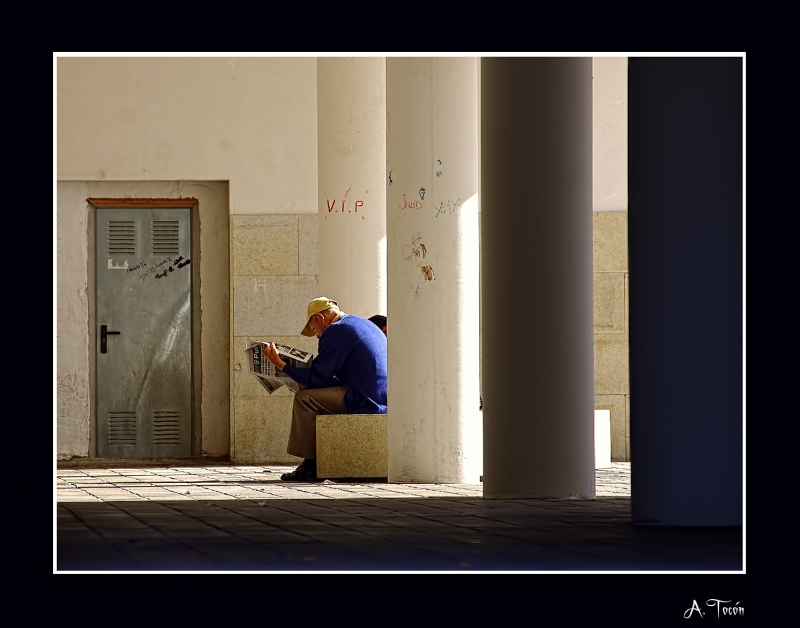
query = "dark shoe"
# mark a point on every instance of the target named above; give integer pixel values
(301, 474)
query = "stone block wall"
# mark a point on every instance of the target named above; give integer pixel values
(611, 365)
(273, 277)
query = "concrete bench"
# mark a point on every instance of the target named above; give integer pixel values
(352, 446)
(357, 445)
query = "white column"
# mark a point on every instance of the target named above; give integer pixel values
(351, 130)
(536, 241)
(432, 225)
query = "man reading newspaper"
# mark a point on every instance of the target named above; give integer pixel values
(348, 376)
(271, 377)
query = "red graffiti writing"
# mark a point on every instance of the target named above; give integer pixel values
(410, 204)
(332, 204)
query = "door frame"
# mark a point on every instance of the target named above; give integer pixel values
(192, 204)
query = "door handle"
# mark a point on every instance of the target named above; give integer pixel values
(104, 333)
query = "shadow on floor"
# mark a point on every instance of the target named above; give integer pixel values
(386, 534)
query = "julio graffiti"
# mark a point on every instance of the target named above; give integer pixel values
(406, 204)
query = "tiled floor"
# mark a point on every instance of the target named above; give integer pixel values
(242, 518)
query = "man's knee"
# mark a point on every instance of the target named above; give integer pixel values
(321, 400)
(301, 395)
(310, 397)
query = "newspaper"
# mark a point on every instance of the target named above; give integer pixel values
(270, 377)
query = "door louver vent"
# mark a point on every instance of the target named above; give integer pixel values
(121, 428)
(121, 237)
(166, 236)
(166, 428)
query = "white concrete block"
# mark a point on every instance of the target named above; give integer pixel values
(602, 439)
(352, 446)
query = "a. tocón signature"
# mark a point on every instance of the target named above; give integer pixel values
(724, 608)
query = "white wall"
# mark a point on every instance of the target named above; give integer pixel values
(72, 321)
(250, 121)
(610, 133)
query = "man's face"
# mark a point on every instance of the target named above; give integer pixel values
(315, 324)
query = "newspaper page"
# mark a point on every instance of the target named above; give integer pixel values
(270, 377)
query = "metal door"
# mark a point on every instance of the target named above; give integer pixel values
(144, 332)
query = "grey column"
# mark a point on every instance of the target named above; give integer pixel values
(685, 131)
(536, 240)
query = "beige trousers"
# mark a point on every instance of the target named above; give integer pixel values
(308, 403)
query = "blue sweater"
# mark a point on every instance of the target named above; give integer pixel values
(352, 353)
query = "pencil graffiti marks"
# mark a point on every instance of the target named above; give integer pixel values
(179, 263)
(390, 177)
(422, 194)
(153, 267)
(447, 208)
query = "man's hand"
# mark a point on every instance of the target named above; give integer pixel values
(272, 355)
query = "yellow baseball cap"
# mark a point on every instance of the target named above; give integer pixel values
(320, 304)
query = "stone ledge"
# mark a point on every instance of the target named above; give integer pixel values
(352, 446)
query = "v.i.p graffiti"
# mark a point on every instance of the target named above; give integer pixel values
(332, 206)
